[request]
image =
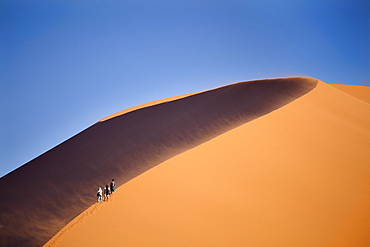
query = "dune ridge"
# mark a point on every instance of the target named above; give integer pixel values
(297, 177)
(49, 191)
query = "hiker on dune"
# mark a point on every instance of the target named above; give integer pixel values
(106, 192)
(99, 195)
(112, 186)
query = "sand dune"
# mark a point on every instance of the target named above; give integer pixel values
(49, 191)
(298, 176)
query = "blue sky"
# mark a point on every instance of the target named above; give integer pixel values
(66, 64)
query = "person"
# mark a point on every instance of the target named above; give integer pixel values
(106, 192)
(99, 194)
(112, 186)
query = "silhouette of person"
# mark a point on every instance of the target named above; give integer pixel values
(112, 186)
(99, 195)
(106, 192)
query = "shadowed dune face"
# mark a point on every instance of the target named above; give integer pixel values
(45, 194)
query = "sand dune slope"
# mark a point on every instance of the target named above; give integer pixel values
(360, 92)
(52, 189)
(298, 176)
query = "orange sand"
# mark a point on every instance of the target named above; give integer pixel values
(360, 92)
(298, 176)
(156, 102)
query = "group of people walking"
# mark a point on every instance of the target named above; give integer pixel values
(108, 190)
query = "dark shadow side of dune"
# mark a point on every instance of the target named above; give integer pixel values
(42, 196)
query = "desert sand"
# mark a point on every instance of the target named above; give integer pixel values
(280, 162)
(360, 92)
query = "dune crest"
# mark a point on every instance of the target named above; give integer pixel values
(156, 102)
(60, 184)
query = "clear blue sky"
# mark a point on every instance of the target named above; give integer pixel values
(66, 64)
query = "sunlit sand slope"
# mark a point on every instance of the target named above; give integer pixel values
(45, 194)
(299, 176)
(360, 92)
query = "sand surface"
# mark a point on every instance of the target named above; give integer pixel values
(360, 92)
(152, 103)
(61, 184)
(297, 176)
